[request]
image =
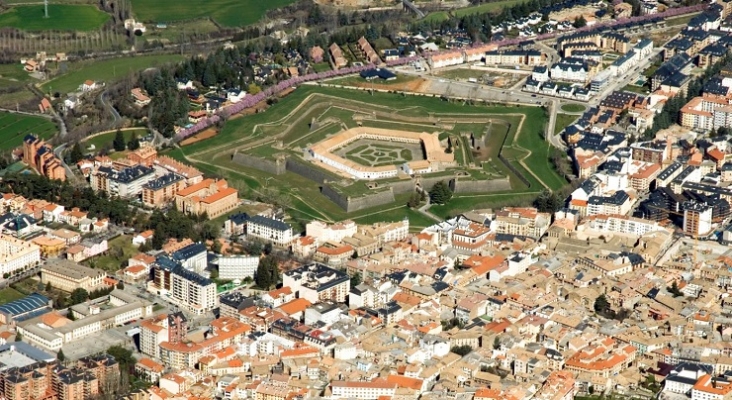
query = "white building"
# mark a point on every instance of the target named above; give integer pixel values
(237, 267)
(570, 69)
(126, 183)
(269, 230)
(316, 282)
(620, 224)
(362, 390)
(193, 291)
(16, 254)
(323, 232)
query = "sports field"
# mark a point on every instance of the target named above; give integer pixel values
(14, 127)
(104, 71)
(310, 114)
(61, 17)
(230, 13)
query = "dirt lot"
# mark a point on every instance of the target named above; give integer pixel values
(208, 133)
(412, 85)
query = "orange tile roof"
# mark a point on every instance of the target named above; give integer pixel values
(295, 306)
(302, 351)
(151, 365)
(402, 297)
(222, 193)
(195, 188)
(405, 382)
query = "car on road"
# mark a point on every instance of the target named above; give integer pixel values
(533, 95)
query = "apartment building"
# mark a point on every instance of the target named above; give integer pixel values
(364, 390)
(697, 219)
(620, 224)
(213, 197)
(39, 155)
(224, 332)
(384, 232)
(269, 230)
(126, 183)
(16, 254)
(187, 288)
(514, 57)
(337, 60)
(31, 380)
(67, 275)
(160, 191)
(570, 69)
(316, 282)
(559, 385)
(171, 328)
(528, 222)
(618, 203)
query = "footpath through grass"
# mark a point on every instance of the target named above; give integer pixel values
(14, 127)
(105, 71)
(230, 13)
(61, 17)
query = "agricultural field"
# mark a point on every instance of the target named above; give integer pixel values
(311, 114)
(61, 17)
(229, 13)
(14, 127)
(104, 71)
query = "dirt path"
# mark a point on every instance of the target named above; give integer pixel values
(528, 153)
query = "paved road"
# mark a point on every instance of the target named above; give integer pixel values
(115, 115)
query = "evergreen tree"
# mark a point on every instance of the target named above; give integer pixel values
(356, 279)
(18, 337)
(60, 356)
(48, 287)
(79, 296)
(134, 142)
(413, 200)
(440, 193)
(580, 22)
(119, 141)
(76, 153)
(267, 272)
(601, 303)
(120, 285)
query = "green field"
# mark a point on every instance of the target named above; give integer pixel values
(14, 127)
(9, 294)
(61, 17)
(100, 141)
(120, 250)
(573, 108)
(289, 121)
(104, 71)
(495, 6)
(230, 13)
(563, 121)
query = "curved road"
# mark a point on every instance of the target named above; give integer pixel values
(115, 115)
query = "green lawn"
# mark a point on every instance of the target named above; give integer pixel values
(61, 17)
(14, 72)
(495, 6)
(9, 294)
(563, 121)
(120, 250)
(14, 127)
(416, 218)
(105, 71)
(106, 139)
(230, 13)
(636, 89)
(573, 108)
(437, 16)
